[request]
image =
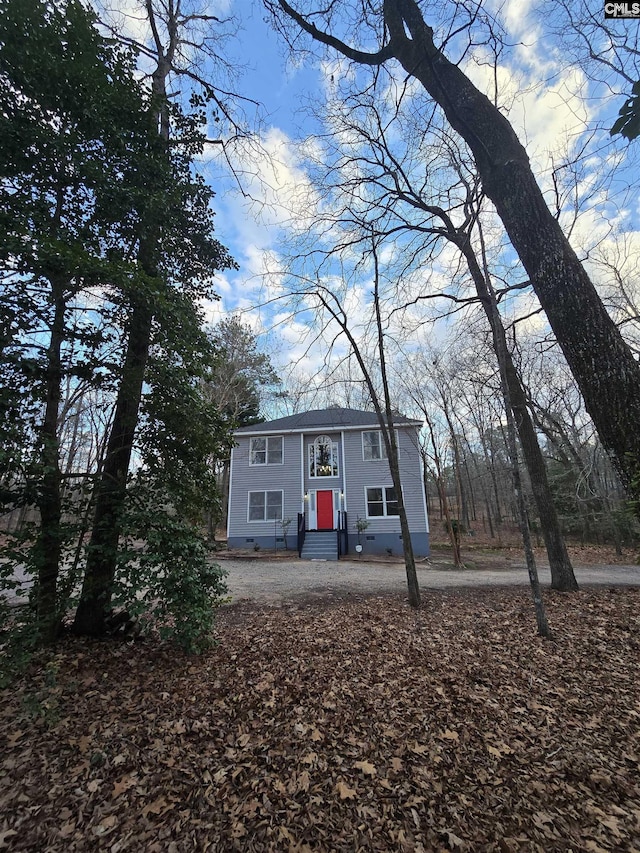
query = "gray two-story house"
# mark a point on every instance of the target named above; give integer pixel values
(320, 482)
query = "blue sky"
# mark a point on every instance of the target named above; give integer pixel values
(550, 102)
(542, 93)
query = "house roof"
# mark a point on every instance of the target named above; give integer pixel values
(320, 419)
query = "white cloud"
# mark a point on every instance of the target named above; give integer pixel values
(277, 191)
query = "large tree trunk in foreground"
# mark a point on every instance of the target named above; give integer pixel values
(102, 552)
(601, 362)
(95, 601)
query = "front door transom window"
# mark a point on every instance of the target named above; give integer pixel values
(323, 457)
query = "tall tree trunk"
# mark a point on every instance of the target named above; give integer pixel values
(461, 497)
(489, 459)
(504, 359)
(407, 545)
(442, 494)
(48, 545)
(489, 519)
(562, 576)
(470, 491)
(389, 434)
(102, 552)
(95, 601)
(485, 494)
(534, 582)
(217, 517)
(384, 413)
(600, 360)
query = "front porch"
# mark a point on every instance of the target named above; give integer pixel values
(324, 544)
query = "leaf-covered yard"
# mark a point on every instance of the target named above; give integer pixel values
(361, 725)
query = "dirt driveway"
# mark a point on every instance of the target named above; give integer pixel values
(282, 581)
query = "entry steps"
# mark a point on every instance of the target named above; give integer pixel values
(320, 545)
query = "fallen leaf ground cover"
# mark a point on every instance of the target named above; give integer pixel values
(356, 726)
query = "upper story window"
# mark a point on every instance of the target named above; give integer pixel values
(373, 446)
(323, 457)
(266, 451)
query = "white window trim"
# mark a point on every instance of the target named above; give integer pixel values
(384, 503)
(266, 462)
(334, 446)
(383, 446)
(264, 520)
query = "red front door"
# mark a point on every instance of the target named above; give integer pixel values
(325, 510)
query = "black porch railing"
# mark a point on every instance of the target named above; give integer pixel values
(341, 532)
(301, 532)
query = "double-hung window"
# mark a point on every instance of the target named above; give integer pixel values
(381, 501)
(266, 451)
(373, 446)
(265, 506)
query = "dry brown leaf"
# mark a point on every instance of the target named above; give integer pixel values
(238, 830)
(448, 734)
(106, 826)
(14, 737)
(613, 824)
(123, 785)
(4, 834)
(345, 792)
(454, 841)
(567, 715)
(367, 768)
(541, 819)
(157, 807)
(286, 835)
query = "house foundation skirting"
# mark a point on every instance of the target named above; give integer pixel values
(263, 543)
(372, 543)
(383, 543)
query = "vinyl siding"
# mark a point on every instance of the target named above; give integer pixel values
(363, 474)
(247, 478)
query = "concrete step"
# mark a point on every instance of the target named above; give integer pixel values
(320, 545)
